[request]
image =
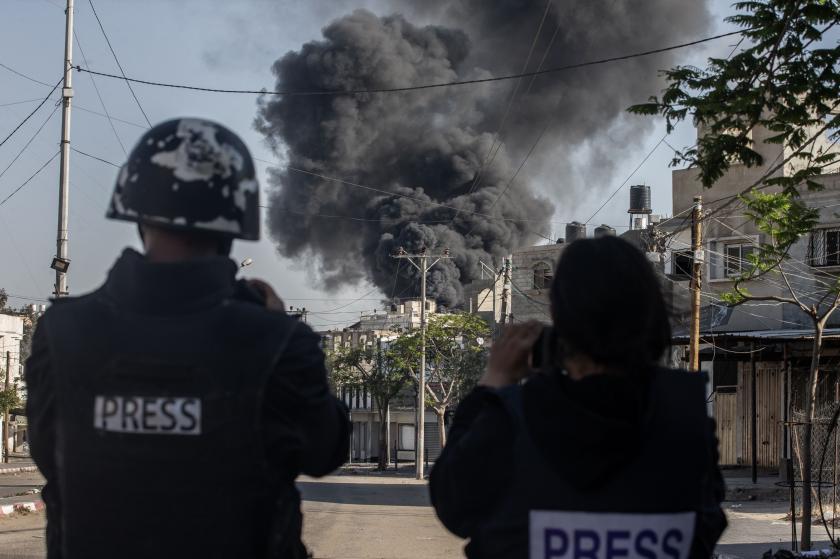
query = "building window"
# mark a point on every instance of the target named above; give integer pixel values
(736, 258)
(824, 248)
(682, 264)
(406, 437)
(542, 275)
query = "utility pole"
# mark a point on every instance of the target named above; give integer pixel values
(6, 412)
(61, 262)
(696, 278)
(506, 292)
(421, 262)
(495, 275)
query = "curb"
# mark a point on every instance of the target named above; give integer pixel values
(25, 506)
(18, 470)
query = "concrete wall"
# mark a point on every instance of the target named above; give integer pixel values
(529, 302)
(733, 227)
(11, 332)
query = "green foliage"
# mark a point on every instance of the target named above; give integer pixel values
(786, 80)
(9, 399)
(4, 298)
(375, 369)
(455, 355)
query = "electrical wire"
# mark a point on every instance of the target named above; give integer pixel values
(117, 60)
(493, 150)
(630, 176)
(99, 95)
(26, 145)
(80, 152)
(24, 76)
(301, 93)
(15, 191)
(20, 102)
(30, 115)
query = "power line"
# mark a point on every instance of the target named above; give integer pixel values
(24, 121)
(302, 93)
(26, 145)
(20, 102)
(50, 160)
(493, 150)
(630, 176)
(117, 60)
(24, 76)
(80, 152)
(99, 95)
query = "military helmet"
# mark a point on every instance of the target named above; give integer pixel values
(190, 174)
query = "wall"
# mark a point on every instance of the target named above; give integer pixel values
(11, 330)
(528, 302)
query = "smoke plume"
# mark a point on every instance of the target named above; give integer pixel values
(435, 150)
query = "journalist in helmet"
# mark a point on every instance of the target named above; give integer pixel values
(171, 409)
(600, 452)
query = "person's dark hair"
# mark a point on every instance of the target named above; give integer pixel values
(607, 304)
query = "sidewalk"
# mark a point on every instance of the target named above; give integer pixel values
(740, 487)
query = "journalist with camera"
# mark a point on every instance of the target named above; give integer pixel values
(577, 443)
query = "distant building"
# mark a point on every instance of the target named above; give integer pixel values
(11, 333)
(375, 330)
(531, 275)
(760, 351)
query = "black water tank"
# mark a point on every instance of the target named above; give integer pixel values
(603, 230)
(575, 230)
(639, 199)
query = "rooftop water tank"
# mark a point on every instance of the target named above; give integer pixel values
(574, 231)
(604, 230)
(639, 199)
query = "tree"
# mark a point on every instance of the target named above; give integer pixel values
(4, 298)
(455, 359)
(785, 80)
(378, 370)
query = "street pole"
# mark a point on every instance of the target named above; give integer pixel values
(62, 242)
(506, 293)
(696, 273)
(421, 262)
(495, 275)
(6, 412)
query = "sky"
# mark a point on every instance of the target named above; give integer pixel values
(212, 44)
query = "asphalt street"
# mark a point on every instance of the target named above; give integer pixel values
(387, 517)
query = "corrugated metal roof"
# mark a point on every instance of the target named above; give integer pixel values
(765, 335)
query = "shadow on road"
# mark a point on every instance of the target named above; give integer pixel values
(365, 493)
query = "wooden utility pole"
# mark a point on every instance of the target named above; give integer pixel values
(6, 411)
(61, 262)
(696, 278)
(421, 262)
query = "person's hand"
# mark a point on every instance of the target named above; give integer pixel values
(509, 357)
(272, 300)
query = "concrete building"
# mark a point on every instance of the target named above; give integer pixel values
(11, 333)
(531, 275)
(757, 354)
(376, 330)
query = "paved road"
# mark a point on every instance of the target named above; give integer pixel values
(369, 516)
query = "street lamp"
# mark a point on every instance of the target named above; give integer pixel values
(245, 263)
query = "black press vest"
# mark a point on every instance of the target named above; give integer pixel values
(159, 446)
(666, 475)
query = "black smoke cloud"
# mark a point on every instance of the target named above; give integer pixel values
(429, 145)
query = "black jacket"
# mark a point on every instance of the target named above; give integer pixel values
(587, 432)
(302, 427)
